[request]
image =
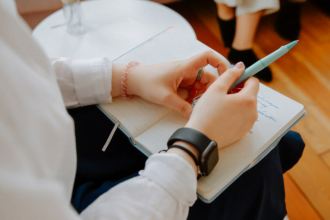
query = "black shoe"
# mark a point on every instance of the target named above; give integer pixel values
(248, 57)
(287, 24)
(227, 30)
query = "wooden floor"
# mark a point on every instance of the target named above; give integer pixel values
(302, 75)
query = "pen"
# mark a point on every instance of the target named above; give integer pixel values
(258, 66)
(263, 63)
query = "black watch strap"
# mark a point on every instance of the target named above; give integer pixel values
(191, 136)
(187, 151)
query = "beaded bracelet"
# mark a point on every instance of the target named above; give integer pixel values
(124, 79)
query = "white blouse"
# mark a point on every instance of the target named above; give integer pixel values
(37, 143)
(251, 6)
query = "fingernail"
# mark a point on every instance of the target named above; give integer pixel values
(239, 65)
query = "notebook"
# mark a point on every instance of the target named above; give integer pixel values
(149, 125)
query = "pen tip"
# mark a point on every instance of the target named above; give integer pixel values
(292, 44)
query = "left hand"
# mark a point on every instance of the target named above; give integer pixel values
(161, 83)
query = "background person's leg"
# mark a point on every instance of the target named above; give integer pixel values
(246, 27)
(225, 12)
(240, 41)
(288, 24)
(227, 23)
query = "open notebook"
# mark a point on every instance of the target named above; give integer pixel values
(149, 125)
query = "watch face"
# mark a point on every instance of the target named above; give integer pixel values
(210, 158)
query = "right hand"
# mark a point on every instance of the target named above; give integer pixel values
(226, 118)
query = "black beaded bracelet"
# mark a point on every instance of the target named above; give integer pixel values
(187, 151)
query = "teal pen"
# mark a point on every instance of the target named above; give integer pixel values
(258, 66)
(263, 63)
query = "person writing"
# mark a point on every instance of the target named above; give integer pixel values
(38, 155)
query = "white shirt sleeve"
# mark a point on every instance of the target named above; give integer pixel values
(37, 146)
(84, 82)
(164, 190)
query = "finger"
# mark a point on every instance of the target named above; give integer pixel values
(200, 92)
(251, 87)
(207, 78)
(180, 105)
(237, 88)
(234, 90)
(227, 79)
(205, 58)
(205, 81)
(198, 85)
(192, 92)
(241, 85)
(192, 95)
(183, 93)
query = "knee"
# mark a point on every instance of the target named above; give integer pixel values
(294, 141)
(291, 148)
(225, 12)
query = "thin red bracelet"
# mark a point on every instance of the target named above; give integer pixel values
(124, 79)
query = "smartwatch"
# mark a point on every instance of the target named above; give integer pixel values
(208, 149)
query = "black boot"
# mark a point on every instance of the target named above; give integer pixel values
(248, 57)
(287, 24)
(227, 30)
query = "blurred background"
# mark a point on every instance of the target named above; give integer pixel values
(303, 75)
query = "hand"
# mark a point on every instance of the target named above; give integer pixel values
(161, 83)
(224, 117)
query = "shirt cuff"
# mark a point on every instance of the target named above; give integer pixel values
(92, 80)
(174, 174)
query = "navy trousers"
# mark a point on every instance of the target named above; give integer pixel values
(257, 194)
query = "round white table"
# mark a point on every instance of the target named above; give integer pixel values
(113, 27)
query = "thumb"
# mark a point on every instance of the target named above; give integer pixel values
(227, 79)
(180, 105)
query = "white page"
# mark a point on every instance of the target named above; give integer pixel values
(155, 138)
(135, 115)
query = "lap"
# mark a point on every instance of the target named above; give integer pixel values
(257, 194)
